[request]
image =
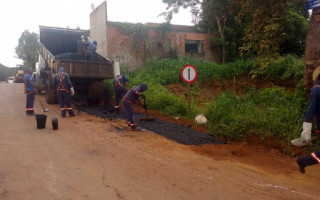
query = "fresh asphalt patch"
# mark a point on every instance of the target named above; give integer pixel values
(179, 133)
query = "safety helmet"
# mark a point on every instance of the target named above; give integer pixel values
(143, 87)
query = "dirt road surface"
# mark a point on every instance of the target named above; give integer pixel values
(88, 158)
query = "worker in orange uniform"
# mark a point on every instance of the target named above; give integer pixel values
(120, 88)
(65, 90)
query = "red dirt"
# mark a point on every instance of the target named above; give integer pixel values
(88, 158)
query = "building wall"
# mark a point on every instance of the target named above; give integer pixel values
(179, 38)
(116, 44)
(122, 46)
(122, 49)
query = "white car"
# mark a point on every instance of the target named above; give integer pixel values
(11, 79)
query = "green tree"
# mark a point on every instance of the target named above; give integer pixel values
(209, 15)
(27, 48)
(6, 72)
(260, 28)
(276, 27)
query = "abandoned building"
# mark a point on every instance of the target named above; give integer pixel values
(132, 44)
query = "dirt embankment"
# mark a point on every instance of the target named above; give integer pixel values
(240, 85)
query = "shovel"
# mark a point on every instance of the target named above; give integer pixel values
(147, 118)
(43, 109)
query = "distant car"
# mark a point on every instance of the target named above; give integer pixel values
(11, 79)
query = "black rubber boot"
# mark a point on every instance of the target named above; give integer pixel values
(54, 123)
(301, 165)
(305, 161)
(112, 110)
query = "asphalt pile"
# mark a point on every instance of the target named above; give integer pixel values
(179, 133)
(69, 56)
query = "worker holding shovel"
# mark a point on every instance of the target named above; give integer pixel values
(29, 90)
(133, 95)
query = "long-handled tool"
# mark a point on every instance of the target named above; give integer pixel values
(43, 109)
(147, 118)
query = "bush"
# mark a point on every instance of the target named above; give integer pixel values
(167, 71)
(108, 91)
(273, 112)
(159, 98)
(283, 68)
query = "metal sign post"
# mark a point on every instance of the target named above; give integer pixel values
(189, 75)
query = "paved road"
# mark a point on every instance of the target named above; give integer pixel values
(88, 158)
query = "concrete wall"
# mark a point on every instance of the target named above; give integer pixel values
(179, 39)
(98, 28)
(123, 47)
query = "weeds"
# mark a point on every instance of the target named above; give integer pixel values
(272, 112)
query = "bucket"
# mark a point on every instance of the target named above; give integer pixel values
(41, 121)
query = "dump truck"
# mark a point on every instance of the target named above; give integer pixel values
(62, 47)
(18, 78)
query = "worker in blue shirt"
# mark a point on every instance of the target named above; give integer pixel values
(65, 90)
(119, 83)
(312, 112)
(29, 90)
(133, 95)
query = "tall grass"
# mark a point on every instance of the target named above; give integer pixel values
(272, 112)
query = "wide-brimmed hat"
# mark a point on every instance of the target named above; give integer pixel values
(316, 74)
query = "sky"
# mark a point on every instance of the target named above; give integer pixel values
(19, 15)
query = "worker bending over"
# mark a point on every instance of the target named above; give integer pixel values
(313, 111)
(64, 88)
(133, 95)
(119, 83)
(29, 90)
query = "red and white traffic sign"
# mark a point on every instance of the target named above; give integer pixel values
(189, 74)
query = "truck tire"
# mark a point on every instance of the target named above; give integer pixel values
(50, 94)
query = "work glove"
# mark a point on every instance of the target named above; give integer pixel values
(143, 96)
(72, 91)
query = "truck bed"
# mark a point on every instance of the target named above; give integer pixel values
(55, 41)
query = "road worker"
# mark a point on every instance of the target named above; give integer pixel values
(313, 111)
(133, 95)
(29, 90)
(308, 160)
(65, 90)
(119, 83)
(89, 48)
